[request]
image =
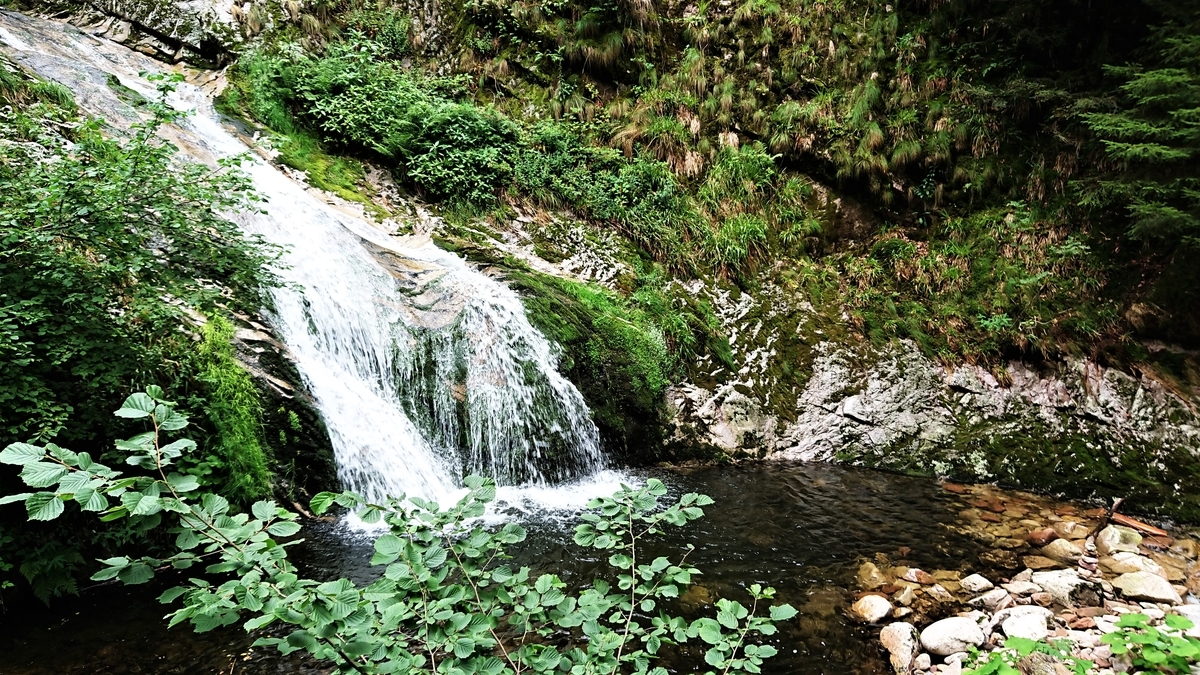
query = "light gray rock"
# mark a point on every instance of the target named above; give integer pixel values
(1030, 625)
(902, 642)
(1117, 538)
(922, 662)
(1067, 587)
(1063, 551)
(1022, 588)
(196, 23)
(992, 599)
(870, 609)
(1122, 562)
(951, 635)
(1146, 586)
(1017, 612)
(938, 592)
(976, 583)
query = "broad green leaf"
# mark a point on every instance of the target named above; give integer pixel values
(74, 482)
(464, 647)
(259, 622)
(11, 499)
(136, 406)
(183, 483)
(94, 501)
(321, 503)
(44, 506)
(263, 510)
(389, 545)
(171, 594)
(283, 528)
(727, 619)
(42, 474)
(1178, 622)
(173, 422)
(21, 453)
(783, 612)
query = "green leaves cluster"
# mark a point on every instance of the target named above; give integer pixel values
(1161, 649)
(1157, 649)
(448, 601)
(105, 246)
(360, 100)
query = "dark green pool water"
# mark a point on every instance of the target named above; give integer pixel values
(803, 529)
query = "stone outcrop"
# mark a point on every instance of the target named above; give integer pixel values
(893, 407)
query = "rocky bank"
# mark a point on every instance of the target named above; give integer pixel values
(1054, 572)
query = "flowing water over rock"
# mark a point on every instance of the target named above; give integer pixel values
(424, 369)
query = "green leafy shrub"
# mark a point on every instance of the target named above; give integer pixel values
(1005, 661)
(90, 245)
(1161, 649)
(358, 99)
(447, 600)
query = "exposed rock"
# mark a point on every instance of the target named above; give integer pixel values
(1039, 663)
(939, 593)
(919, 576)
(870, 577)
(976, 583)
(1117, 538)
(1042, 537)
(1123, 562)
(1146, 586)
(1002, 559)
(1022, 587)
(870, 609)
(1068, 588)
(905, 596)
(1029, 625)
(902, 642)
(1069, 529)
(992, 600)
(922, 662)
(1063, 551)
(951, 635)
(1042, 598)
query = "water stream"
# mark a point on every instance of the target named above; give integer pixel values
(803, 529)
(424, 369)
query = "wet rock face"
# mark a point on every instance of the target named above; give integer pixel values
(198, 24)
(1074, 426)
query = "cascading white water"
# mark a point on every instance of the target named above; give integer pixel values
(423, 368)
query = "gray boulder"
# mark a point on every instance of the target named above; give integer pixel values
(902, 642)
(1146, 586)
(951, 635)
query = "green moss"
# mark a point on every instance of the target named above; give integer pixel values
(235, 412)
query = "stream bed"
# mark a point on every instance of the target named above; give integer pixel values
(803, 528)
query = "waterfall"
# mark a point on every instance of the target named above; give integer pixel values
(424, 369)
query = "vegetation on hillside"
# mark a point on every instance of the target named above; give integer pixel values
(111, 254)
(1027, 167)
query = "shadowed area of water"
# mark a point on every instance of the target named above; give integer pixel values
(803, 529)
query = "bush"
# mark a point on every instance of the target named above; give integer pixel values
(359, 100)
(447, 600)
